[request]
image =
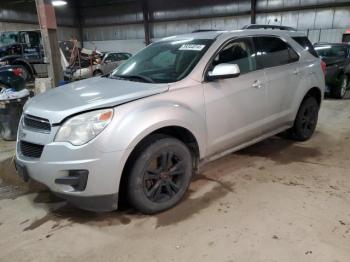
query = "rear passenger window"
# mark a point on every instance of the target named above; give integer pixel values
(306, 44)
(272, 51)
(123, 57)
(112, 58)
(239, 52)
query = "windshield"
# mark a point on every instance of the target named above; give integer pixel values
(163, 62)
(7, 38)
(331, 51)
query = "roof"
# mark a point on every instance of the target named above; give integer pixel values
(196, 35)
(245, 32)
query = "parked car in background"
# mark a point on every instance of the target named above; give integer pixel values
(23, 49)
(337, 59)
(11, 77)
(100, 66)
(346, 36)
(142, 131)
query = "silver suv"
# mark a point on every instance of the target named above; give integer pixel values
(142, 131)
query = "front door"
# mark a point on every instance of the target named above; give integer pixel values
(235, 107)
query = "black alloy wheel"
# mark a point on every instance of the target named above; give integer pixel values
(160, 175)
(306, 120)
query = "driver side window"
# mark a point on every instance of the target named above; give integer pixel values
(239, 52)
(111, 58)
(164, 59)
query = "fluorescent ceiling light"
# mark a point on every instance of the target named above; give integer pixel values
(58, 3)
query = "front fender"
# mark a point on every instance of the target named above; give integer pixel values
(134, 121)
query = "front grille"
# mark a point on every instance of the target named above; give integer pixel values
(37, 123)
(31, 150)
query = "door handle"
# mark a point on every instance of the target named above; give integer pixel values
(257, 84)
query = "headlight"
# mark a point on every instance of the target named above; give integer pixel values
(80, 129)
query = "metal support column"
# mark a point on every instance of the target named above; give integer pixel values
(48, 27)
(253, 12)
(146, 24)
(77, 8)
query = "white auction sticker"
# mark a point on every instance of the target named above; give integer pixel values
(192, 47)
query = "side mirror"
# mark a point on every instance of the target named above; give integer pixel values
(223, 71)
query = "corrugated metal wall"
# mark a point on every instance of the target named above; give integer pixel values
(120, 26)
(175, 17)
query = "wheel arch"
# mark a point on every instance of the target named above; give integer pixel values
(176, 131)
(314, 92)
(27, 65)
(98, 70)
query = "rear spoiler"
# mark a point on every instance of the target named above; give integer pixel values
(276, 27)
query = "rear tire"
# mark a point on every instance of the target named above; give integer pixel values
(160, 175)
(306, 120)
(339, 91)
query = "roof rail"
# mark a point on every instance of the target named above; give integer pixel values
(277, 27)
(205, 30)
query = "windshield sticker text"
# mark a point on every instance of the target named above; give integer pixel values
(192, 47)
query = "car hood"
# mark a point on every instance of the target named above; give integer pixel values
(92, 93)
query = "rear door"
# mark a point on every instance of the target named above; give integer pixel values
(235, 107)
(280, 62)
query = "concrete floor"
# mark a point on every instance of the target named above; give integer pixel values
(275, 201)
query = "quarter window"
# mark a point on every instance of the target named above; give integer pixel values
(239, 52)
(272, 51)
(306, 44)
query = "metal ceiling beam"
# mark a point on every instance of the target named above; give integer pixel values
(105, 3)
(301, 8)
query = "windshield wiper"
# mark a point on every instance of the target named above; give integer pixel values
(130, 77)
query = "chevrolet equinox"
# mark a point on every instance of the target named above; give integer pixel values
(145, 128)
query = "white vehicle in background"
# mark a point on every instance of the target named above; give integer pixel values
(100, 65)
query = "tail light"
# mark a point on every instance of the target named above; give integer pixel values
(323, 66)
(17, 71)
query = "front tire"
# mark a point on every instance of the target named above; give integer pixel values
(339, 91)
(306, 120)
(160, 175)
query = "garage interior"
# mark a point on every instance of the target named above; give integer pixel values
(277, 200)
